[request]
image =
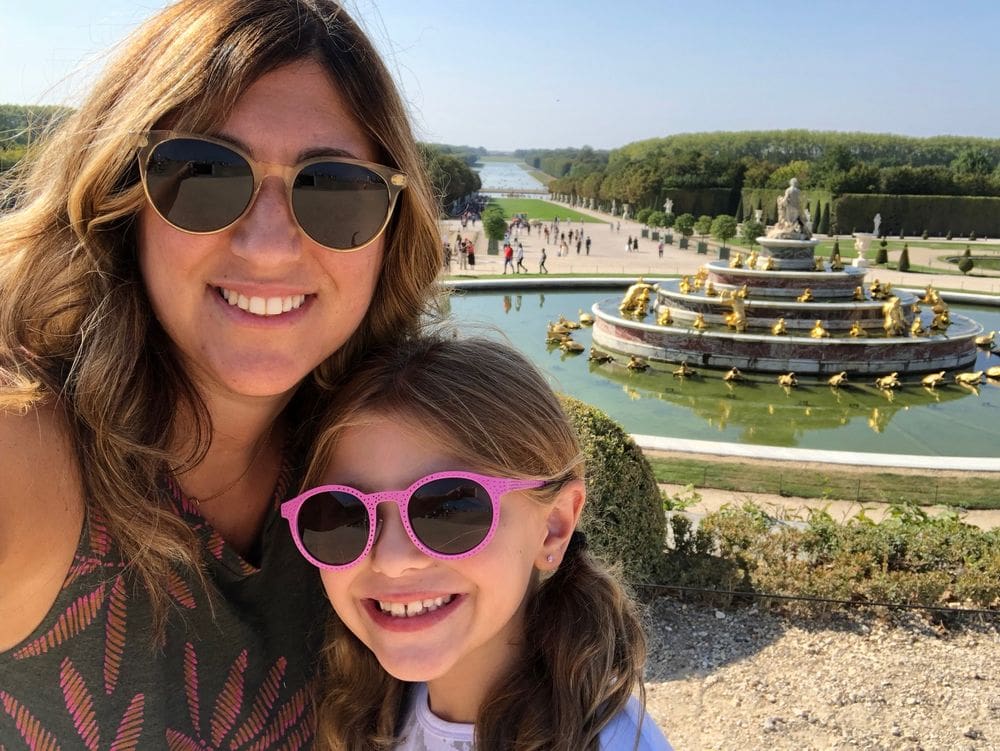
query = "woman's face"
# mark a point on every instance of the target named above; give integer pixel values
(290, 112)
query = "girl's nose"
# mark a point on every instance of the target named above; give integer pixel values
(394, 552)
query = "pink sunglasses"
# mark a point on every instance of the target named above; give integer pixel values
(447, 515)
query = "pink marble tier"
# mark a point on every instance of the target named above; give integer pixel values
(823, 284)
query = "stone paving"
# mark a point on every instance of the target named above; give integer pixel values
(608, 256)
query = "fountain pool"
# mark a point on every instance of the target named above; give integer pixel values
(951, 421)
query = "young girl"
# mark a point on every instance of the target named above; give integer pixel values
(441, 512)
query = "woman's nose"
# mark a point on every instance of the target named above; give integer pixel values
(394, 552)
(267, 235)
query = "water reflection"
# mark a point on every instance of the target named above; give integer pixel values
(948, 420)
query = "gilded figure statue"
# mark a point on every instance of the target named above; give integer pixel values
(778, 329)
(817, 331)
(806, 296)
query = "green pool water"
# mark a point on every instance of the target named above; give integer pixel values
(951, 421)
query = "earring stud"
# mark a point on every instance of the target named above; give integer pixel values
(550, 558)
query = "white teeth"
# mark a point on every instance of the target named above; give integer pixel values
(410, 609)
(262, 306)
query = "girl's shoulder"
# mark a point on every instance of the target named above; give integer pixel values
(633, 728)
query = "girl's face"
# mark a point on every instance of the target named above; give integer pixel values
(290, 112)
(478, 629)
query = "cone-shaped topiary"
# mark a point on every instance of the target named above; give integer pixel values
(904, 258)
(623, 519)
(882, 255)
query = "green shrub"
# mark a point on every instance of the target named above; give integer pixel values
(948, 236)
(642, 215)
(882, 256)
(972, 236)
(965, 264)
(656, 219)
(904, 258)
(924, 235)
(623, 518)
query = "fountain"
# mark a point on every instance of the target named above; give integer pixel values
(785, 309)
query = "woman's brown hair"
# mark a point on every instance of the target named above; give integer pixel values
(482, 403)
(76, 328)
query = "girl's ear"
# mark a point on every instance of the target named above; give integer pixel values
(563, 515)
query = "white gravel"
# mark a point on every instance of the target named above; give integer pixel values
(744, 679)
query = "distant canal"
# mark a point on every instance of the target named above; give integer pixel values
(506, 176)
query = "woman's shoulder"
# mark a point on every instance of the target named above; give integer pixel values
(41, 504)
(633, 728)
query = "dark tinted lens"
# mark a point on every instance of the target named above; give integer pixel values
(333, 527)
(339, 205)
(451, 516)
(197, 185)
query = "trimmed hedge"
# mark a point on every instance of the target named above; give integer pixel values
(623, 518)
(937, 214)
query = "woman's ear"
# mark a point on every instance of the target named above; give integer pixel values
(561, 520)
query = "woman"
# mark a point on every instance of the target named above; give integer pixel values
(225, 226)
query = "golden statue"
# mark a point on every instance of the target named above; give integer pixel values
(986, 340)
(930, 295)
(993, 372)
(857, 330)
(931, 381)
(878, 291)
(769, 264)
(568, 324)
(636, 363)
(836, 264)
(736, 262)
(733, 375)
(571, 345)
(752, 260)
(586, 319)
(743, 292)
(636, 298)
(664, 318)
(892, 317)
(778, 329)
(916, 328)
(818, 332)
(941, 321)
(889, 382)
(788, 380)
(684, 371)
(710, 291)
(859, 294)
(837, 380)
(819, 263)
(738, 318)
(701, 274)
(969, 379)
(699, 321)
(806, 296)
(685, 285)
(599, 357)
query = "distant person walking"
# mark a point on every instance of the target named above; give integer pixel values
(588, 244)
(520, 259)
(508, 259)
(541, 264)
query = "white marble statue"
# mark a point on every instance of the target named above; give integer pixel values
(625, 210)
(878, 224)
(790, 225)
(668, 206)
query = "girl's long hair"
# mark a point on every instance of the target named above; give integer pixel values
(486, 406)
(76, 328)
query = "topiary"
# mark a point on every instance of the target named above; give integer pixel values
(882, 256)
(623, 519)
(948, 236)
(972, 236)
(904, 259)
(924, 235)
(965, 263)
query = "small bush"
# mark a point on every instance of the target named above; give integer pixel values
(904, 258)
(972, 236)
(882, 256)
(965, 264)
(924, 235)
(901, 235)
(623, 518)
(642, 215)
(948, 236)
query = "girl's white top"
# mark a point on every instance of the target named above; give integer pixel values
(424, 731)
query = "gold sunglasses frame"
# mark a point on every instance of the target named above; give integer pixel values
(395, 181)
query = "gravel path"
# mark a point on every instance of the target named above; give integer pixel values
(749, 680)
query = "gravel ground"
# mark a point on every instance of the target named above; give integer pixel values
(744, 679)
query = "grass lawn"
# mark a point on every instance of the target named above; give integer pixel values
(839, 483)
(543, 178)
(536, 208)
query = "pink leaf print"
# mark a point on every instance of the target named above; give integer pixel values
(127, 737)
(100, 540)
(180, 590)
(191, 686)
(180, 742)
(230, 701)
(79, 704)
(37, 737)
(76, 618)
(114, 635)
(289, 715)
(267, 694)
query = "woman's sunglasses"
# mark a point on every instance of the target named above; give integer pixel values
(203, 185)
(447, 515)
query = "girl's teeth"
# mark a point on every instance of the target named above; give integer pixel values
(410, 609)
(263, 306)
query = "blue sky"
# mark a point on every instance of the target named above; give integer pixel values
(549, 73)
